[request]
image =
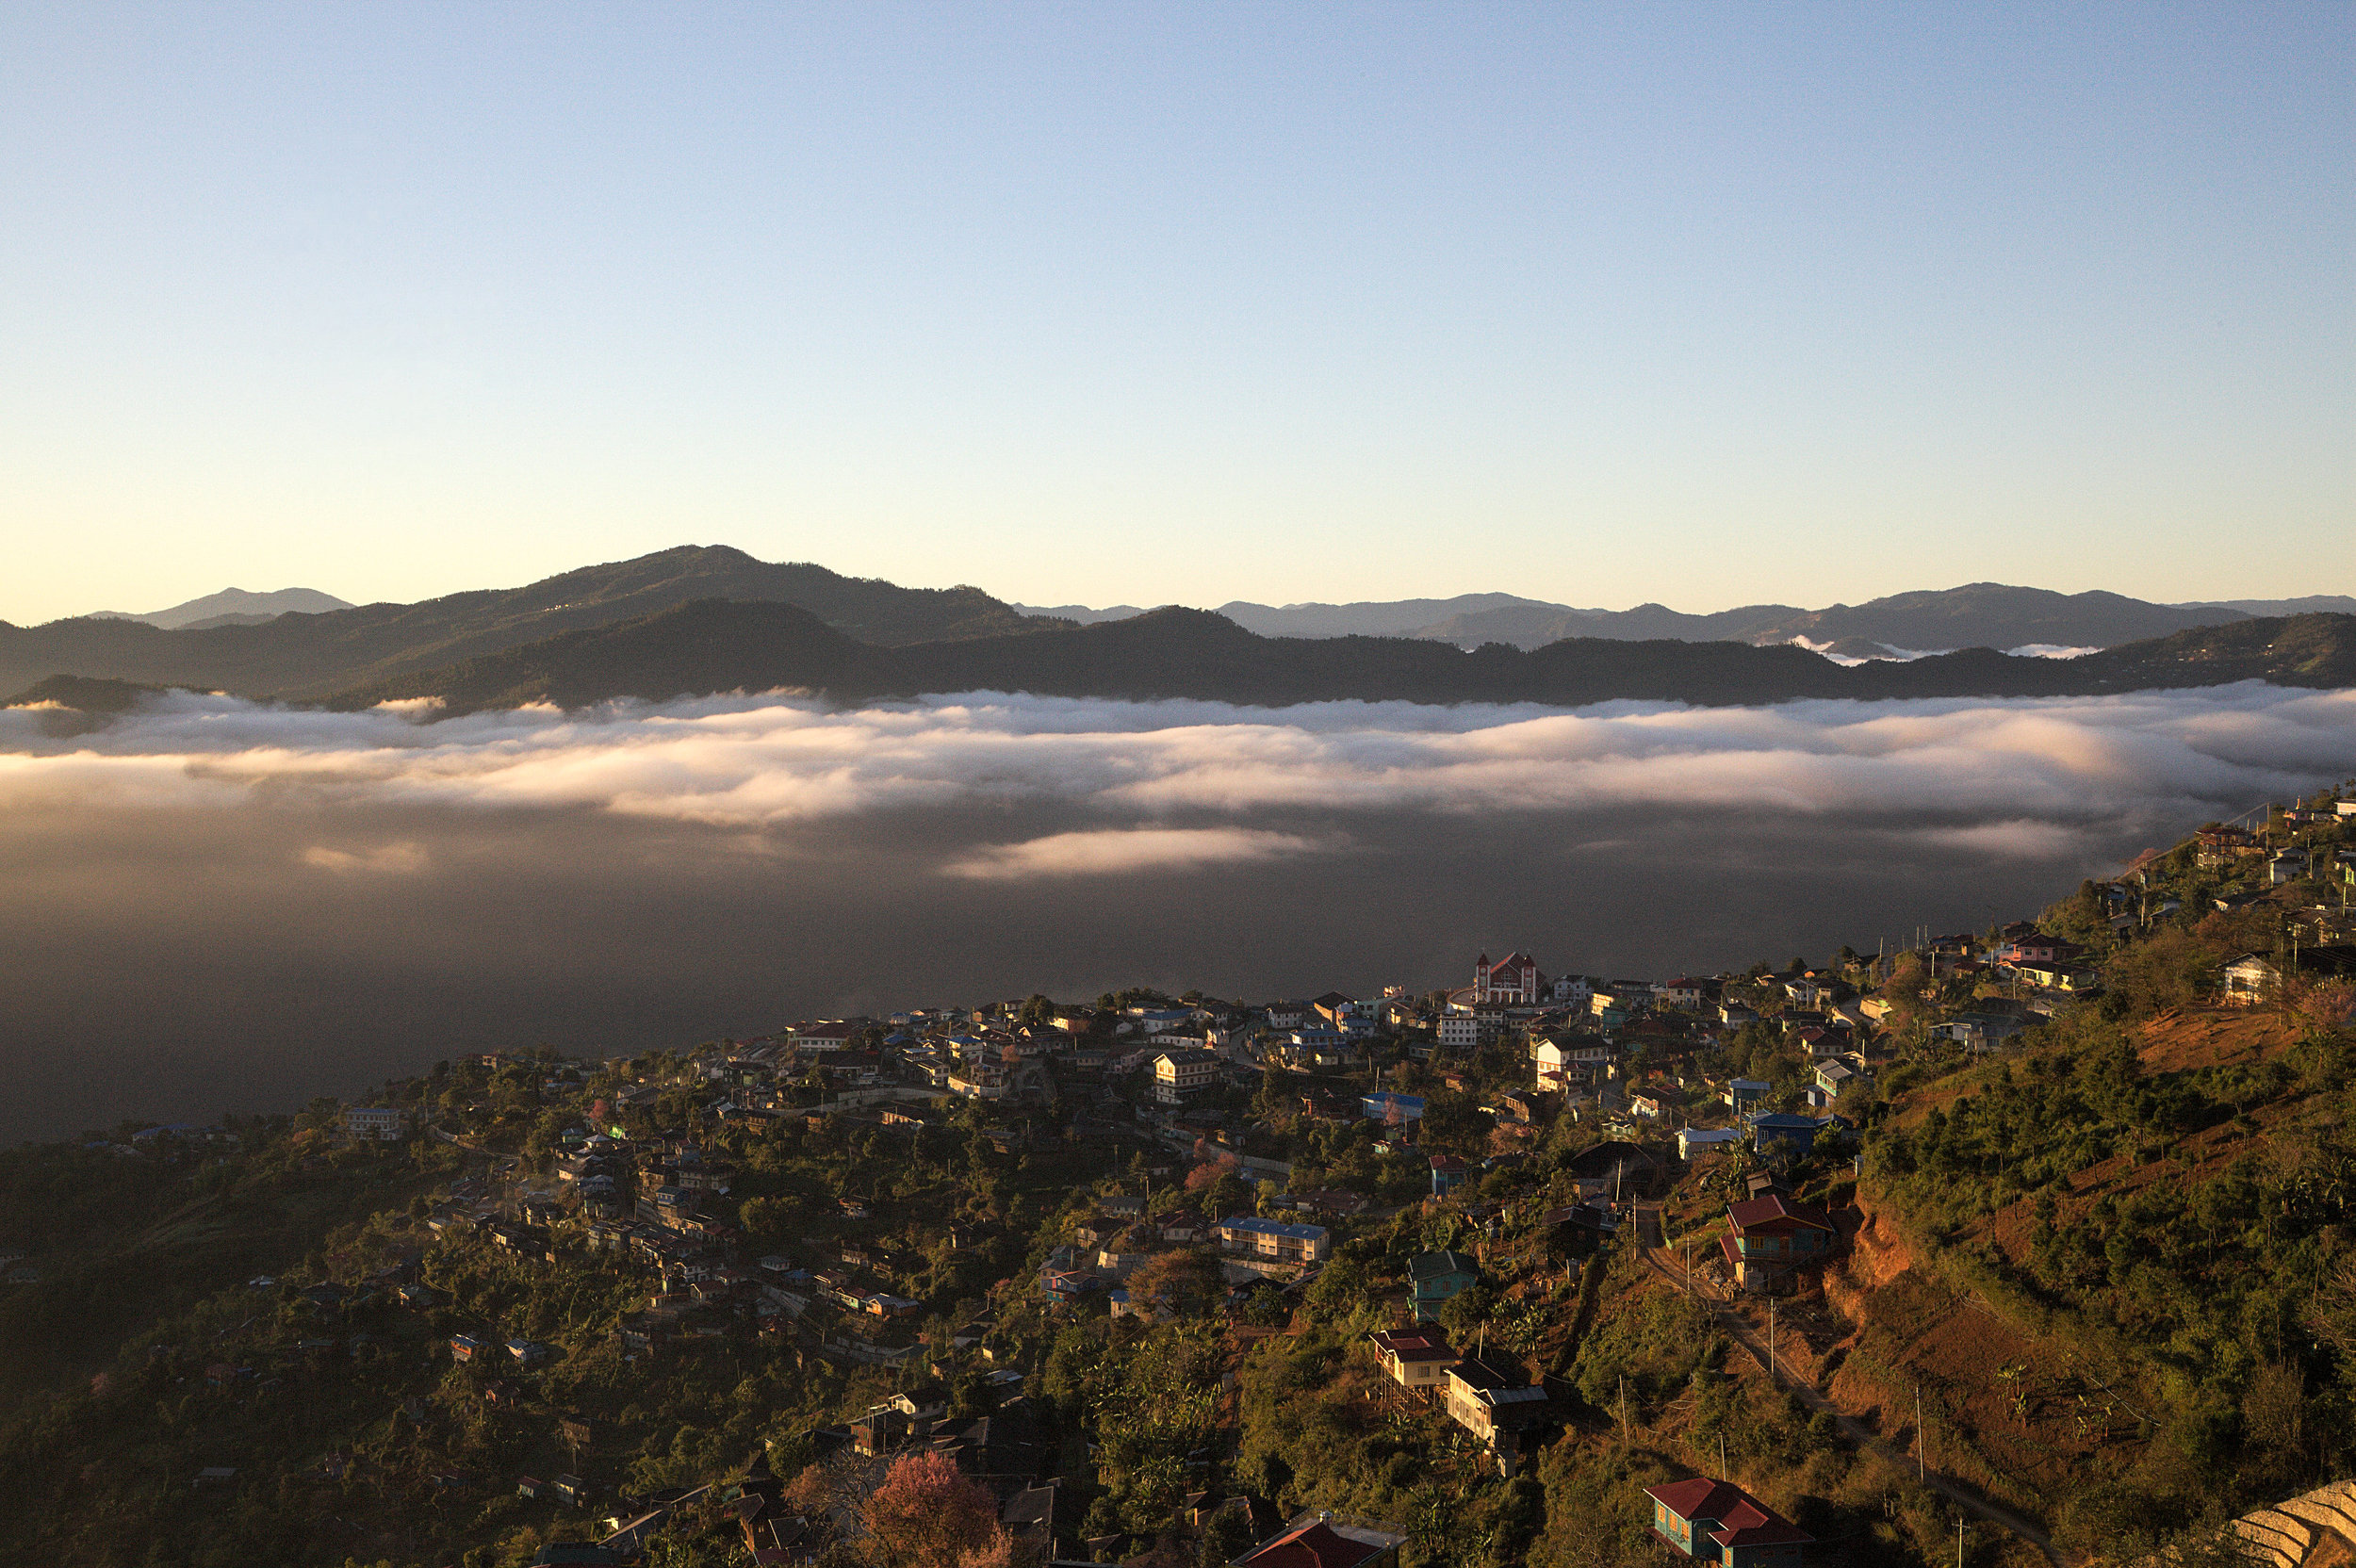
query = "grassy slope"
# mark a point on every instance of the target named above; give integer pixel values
(2091, 1387)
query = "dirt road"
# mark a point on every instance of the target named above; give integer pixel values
(1671, 1267)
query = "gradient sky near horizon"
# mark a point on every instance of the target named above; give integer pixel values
(1699, 304)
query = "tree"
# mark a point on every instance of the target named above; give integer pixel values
(1209, 1171)
(1464, 1313)
(925, 1514)
(1227, 1537)
(1176, 1280)
(770, 1219)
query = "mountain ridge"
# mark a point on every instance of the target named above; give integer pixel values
(1973, 614)
(301, 655)
(230, 605)
(310, 655)
(718, 646)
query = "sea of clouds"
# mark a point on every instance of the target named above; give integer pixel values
(1178, 784)
(213, 904)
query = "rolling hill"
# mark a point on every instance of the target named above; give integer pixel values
(1978, 614)
(305, 655)
(231, 607)
(716, 645)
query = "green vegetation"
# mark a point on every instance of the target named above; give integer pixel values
(2108, 1258)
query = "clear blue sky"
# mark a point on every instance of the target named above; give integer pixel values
(1699, 304)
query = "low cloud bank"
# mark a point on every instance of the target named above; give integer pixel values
(2013, 772)
(1116, 851)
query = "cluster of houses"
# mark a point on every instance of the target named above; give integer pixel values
(1166, 1075)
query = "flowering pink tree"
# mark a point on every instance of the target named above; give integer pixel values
(925, 1514)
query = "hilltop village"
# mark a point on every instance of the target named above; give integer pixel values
(2019, 1245)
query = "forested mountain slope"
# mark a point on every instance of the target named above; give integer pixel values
(716, 646)
(308, 654)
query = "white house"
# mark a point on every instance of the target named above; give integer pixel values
(377, 1122)
(2250, 979)
(1552, 1060)
(1693, 1140)
(822, 1037)
(1180, 1073)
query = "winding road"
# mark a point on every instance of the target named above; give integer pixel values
(1669, 1267)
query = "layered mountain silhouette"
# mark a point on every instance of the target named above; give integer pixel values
(715, 647)
(231, 607)
(300, 655)
(702, 619)
(1978, 614)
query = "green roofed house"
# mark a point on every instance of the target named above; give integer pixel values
(1438, 1277)
(1718, 1522)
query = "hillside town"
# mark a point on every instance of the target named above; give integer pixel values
(1049, 1258)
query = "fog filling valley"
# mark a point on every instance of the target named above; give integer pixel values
(215, 905)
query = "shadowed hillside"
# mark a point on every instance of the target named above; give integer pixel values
(309, 655)
(1173, 653)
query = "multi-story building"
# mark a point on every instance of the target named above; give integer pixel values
(381, 1123)
(1495, 1400)
(1769, 1237)
(1275, 1239)
(1178, 1075)
(1416, 1359)
(821, 1038)
(1513, 981)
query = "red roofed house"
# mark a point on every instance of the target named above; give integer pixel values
(1719, 1522)
(1416, 1359)
(2038, 948)
(1323, 1542)
(1767, 1237)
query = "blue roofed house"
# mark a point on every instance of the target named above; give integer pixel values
(1797, 1133)
(1277, 1240)
(1393, 1108)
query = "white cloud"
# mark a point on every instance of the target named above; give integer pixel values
(1120, 849)
(751, 763)
(396, 859)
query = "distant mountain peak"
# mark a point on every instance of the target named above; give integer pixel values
(233, 606)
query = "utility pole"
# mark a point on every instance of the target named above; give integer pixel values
(1771, 1339)
(1921, 1468)
(1623, 1407)
(1959, 1540)
(1721, 1456)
